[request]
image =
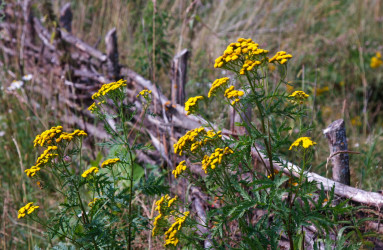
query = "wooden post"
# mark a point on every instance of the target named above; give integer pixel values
(66, 17)
(178, 74)
(113, 67)
(337, 141)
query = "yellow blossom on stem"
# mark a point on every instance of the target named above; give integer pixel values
(47, 137)
(282, 57)
(217, 85)
(110, 162)
(191, 105)
(92, 203)
(109, 88)
(215, 158)
(27, 209)
(171, 234)
(163, 207)
(376, 61)
(305, 142)
(298, 97)
(179, 169)
(233, 94)
(144, 93)
(89, 171)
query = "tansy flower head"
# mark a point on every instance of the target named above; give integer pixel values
(109, 88)
(46, 138)
(92, 203)
(144, 93)
(282, 57)
(27, 209)
(305, 142)
(110, 162)
(245, 52)
(218, 84)
(298, 97)
(171, 234)
(191, 105)
(164, 208)
(195, 139)
(376, 61)
(215, 158)
(233, 94)
(89, 171)
(179, 169)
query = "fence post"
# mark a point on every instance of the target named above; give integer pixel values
(113, 67)
(337, 141)
(66, 17)
(179, 72)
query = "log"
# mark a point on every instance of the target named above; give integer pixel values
(368, 198)
(337, 141)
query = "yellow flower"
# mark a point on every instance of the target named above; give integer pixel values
(217, 85)
(356, 121)
(215, 158)
(89, 171)
(243, 49)
(191, 105)
(109, 88)
(298, 97)
(179, 169)
(282, 57)
(230, 93)
(195, 139)
(47, 136)
(171, 234)
(27, 209)
(110, 162)
(163, 207)
(376, 61)
(144, 93)
(92, 203)
(322, 90)
(306, 143)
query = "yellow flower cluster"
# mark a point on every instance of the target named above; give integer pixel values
(249, 65)
(47, 136)
(231, 93)
(110, 162)
(70, 136)
(179, 169)
(27, 209)
(191, 105)
(376, 61)
(217, 85)
(92, 203)
(241, 50)
(306, 143)
(215, 158)
(144, 93)
(92, 108)
(193, 139)
(163, 206)
(171, 234)
(109, 88)
(43, 159)
(298, 97)
(282, 57)
(89, 171)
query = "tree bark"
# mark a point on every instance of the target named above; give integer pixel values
(337, 141)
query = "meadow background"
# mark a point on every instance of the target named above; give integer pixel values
(332, 43)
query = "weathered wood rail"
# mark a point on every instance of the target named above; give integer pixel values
(67, 77)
